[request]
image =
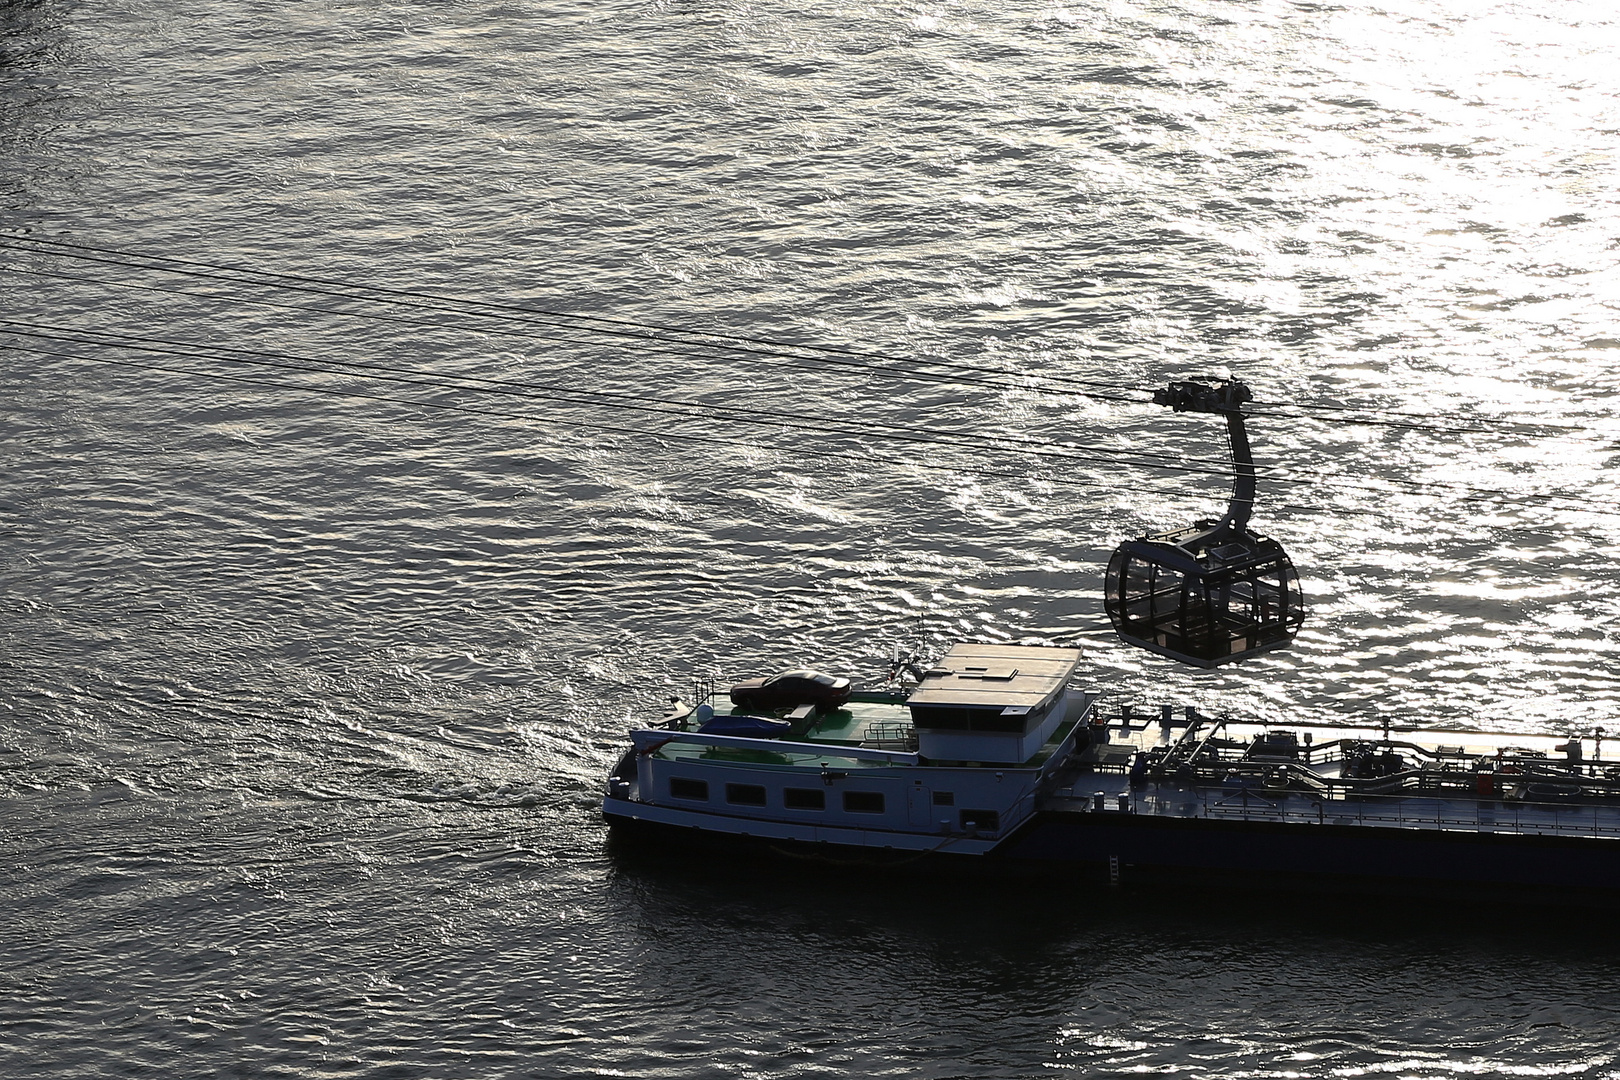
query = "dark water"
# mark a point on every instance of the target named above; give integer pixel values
(307, 698)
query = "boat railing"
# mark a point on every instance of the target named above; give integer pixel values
(1406, 812)
(890, 735)
(651, 740)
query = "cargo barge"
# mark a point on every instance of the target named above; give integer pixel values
(996, 760)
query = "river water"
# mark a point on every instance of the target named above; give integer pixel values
(308, 684)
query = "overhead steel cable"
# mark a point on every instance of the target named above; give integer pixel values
(697, 410)
(639, 403)
(683, 436)
(648, 345)
(816, 424)
(711, 341)
(692, 348)
(613, 328)
(690, 410)
(507, 309)
(1351, 418)
(665, 436)
(714, 340)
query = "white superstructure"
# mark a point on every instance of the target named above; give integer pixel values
(955, 765)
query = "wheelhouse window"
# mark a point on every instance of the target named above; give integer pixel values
(863, 802)
(969, 718)
(745, 794)
(797, 798)
(682, 788)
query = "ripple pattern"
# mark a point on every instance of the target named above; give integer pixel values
(305, 698)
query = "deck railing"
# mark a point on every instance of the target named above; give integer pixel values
(1414, 812)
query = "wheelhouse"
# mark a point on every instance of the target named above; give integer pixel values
(992, 703)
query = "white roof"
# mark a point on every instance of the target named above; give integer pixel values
(976, 675)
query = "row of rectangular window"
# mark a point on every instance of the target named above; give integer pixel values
(792, 798)
(815, 799)
(855, 802)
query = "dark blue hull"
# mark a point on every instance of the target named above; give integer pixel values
(1132, 846)
(1139, 850)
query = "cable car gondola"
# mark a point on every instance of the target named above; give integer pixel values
(1212, 592)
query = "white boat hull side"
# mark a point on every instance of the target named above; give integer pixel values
(866, 839)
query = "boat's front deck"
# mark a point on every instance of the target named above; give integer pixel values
(868, 721)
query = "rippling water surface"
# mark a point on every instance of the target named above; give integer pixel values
(308, 682)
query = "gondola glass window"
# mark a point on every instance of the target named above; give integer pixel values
(1213, 612)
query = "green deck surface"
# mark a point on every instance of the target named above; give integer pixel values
(853, 723)
(836, 729)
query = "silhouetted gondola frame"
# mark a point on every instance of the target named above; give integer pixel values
(1213, 592)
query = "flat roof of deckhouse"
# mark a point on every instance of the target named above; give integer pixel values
(980, 675)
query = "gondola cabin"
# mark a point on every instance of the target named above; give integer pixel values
(1205, 604)
(1214, 591)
